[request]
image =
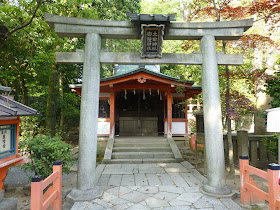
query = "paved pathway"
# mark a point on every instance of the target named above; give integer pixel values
(170, 186)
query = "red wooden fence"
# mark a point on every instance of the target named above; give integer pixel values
(194, 144)
(250, 192)
(53, 195)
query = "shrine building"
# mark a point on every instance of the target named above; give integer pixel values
(136, 99)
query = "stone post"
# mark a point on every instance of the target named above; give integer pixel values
(86, 189)
(216, 184)
(242, 143)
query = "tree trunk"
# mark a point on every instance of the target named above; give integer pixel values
(188, 10)
(61, 98)
(262, 99)
(230, 148)
(24, 92)
(52, 102)
(185, 10)
(229, 134)
(262, 103)
(182, 11)
(16, 89)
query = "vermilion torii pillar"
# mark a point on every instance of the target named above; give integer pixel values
(112, 114)
(91, 57)
(169, 114)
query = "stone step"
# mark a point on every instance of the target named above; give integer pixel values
(163, 144)
(140, 141)
(131, 150)
(142, 149)
(141, 155)
(135, 161)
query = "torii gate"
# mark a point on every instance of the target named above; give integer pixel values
(92, 56)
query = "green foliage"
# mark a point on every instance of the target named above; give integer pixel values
(271, 144)
(160, 7)
(43, 151)
(100, 154)
(273, 88)
(115, 9)
(27, 57)
(30, 126)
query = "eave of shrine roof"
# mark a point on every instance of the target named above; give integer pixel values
(9, 108)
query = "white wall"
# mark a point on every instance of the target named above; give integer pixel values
(103, 128)
(178, 128)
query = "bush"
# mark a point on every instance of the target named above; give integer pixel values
(271, 144)
(43, 151)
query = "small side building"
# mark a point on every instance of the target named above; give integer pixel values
(10, 112)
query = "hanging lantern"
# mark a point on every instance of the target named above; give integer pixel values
(125, 94)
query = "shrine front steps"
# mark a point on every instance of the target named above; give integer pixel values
(142, 150)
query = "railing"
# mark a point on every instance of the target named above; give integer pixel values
(250, 192)
(251, 145)
(53, 195)
(243, 144)
(198, 141)
(194, 142)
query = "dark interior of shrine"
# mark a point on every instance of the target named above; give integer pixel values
(142, 106)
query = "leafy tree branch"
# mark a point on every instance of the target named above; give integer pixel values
(9, 33)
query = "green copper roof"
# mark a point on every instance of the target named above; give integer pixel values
(123, 69)
(141, 69)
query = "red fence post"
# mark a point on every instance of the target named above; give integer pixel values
(244, 178)
(273, 185)
(57, 185)
(36, 193)
(192, 141)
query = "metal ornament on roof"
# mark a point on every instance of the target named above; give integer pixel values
(152, 39)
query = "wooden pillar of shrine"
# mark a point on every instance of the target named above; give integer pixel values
(112, 114)
(169, 115)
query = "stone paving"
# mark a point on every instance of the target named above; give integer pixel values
(170, 186)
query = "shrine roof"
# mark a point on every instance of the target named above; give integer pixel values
(141, 70)
(9, 108)
(196, 87)
(160, 75)
(3, 88)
